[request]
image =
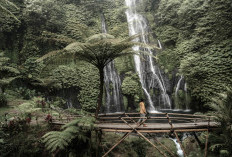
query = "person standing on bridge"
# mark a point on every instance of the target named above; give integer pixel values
(142, 112)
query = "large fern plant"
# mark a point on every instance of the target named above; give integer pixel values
(222, 110)
(78, 130)
(99, 50)
(5, 8)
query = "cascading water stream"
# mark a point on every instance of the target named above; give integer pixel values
(186, 95)
(69, 104)
(178, 86)
(114, 100)
(138, 25)
(160, 46)
(180, 153)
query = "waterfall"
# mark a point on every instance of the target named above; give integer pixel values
(178, 86)
(185, 87)
(160, 46)
(69, 103)
(179, 150)
(186, 96)
(114, 99)
(148, 72)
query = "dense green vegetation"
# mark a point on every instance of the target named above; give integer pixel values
(52, 57)
(197, 39)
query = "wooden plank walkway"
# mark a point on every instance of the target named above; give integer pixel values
(158, 126)
(156, 122)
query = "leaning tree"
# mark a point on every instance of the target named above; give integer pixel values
(98, 50)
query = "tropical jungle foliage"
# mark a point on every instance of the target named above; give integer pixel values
(52, 56)
(74, 136)
(222, 108)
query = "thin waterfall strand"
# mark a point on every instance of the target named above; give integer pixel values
(113, 83)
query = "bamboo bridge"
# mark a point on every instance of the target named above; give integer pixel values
(172, 123)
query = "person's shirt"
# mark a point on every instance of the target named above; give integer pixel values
(142, 108)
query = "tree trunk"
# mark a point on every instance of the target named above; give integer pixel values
(100, 95)
(131, 102)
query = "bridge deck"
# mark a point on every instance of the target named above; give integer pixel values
(157, 127)
(156, 122)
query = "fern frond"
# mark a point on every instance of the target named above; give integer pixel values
(6, 81)
(5, 11)
(72, 130)
(51, 54)
(215, 146)
(7, 2)
(56, 140)
(59, 140)
(70, 124)
(9, 69)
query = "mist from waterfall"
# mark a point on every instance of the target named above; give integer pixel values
(114, 99)
(149, 73)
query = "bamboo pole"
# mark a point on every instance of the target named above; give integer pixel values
(198, 141)
(173, 114)
(151, 144)
(169, 121)
(194, 115)
(172, 129)
(169, 151)
(144, 136)
(161, 143)
(206, 143)
(131, 118)
(107, 114)
(124, 136)
(155, 131)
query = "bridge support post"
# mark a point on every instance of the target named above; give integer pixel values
(206, 143)
(123, 138)
(98, 141)
(151, 143)
(143, 135)
(198, 141)
(169, 151)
